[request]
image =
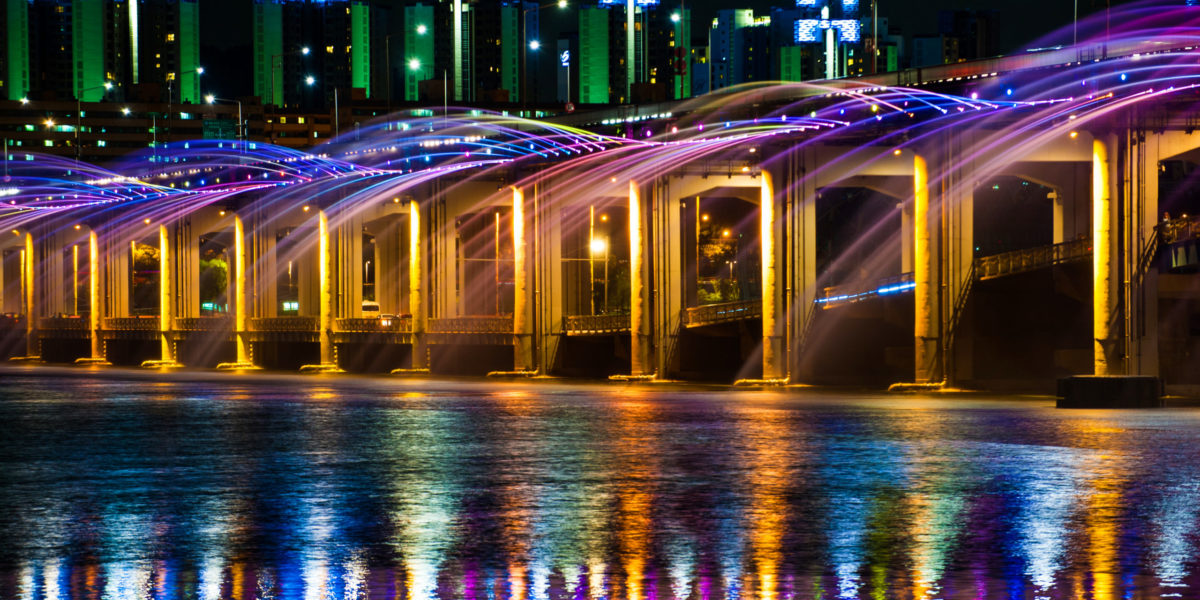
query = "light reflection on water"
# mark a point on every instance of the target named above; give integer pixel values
(198, 487)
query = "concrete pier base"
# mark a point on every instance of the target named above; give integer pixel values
(515, 374)
(321, 368)
(410, 372)
(907, 387)
(1110, 391)
(92, 362)
(767, 382)
(238, 366)
(161, 364)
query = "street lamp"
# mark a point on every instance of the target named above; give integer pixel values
(108, 85)
(304, 50)
(534, 45)
(171, 94)
(241, 137)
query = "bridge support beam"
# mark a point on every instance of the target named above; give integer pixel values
(774, 314)
(925, 330)
(243, 358)
(29, 297)
(96, 355)
(522, 291)
(166, 303)
(417, 306)
(641, 362)
(1107, 355)
(325, 305)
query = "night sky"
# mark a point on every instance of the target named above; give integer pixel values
(225, 26)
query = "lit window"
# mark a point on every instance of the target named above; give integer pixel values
(48, 143)
(170, 37)
(300, 120)
(101, 143)
(328, 49)
(283, 120)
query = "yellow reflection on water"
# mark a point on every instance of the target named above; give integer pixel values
(1105, 478)
(637, 470)
(767, 462)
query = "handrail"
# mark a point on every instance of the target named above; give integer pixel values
(285, 324)
(203, 323)
(1179, 229)
(132, 323)
(63, 323)
(596, 324)
(835, 295)
(1029, 259)
(381, 324)
(471, 324)
(723, 312)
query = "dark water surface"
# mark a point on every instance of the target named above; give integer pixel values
(228, 486)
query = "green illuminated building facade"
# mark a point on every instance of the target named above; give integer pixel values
(593, 55)
(418, 48)
(14, 79)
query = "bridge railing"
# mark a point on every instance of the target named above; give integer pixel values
(837, 295)
(723, 312)
(471, 324)
(285, 324)
(1029, 259)
(132, 323)
(203, 323)
(381, 324)
(1179, 229)
(596, 324)
(63, 323)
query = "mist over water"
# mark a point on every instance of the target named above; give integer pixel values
(195, 486)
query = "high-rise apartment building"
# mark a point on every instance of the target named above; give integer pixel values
(306, 50)
(71, 48)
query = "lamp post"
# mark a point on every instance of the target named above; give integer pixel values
(108, 85)
(241, 137)
(171, 95)
(534, 45)
(304, 50)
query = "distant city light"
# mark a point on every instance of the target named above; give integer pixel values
(305, 50)
(310, 80)
(414, 64)
(598, 245)
(674, 17)
(421, 29)
(534, 45)
(210, 98)
(125, 111)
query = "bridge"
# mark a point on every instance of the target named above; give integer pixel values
(671, 246)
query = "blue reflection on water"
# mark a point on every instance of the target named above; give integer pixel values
(199, 487)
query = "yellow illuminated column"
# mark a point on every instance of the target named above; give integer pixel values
(1107, 357)
(94, 294)
(239, 290)
(416, 298)
(925, 292)
(774, 354)
(325, 290)
(27, 281)
(522, 332)
(640, 360)
(165, 305)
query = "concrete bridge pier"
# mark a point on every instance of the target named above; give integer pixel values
(418, 284)
(523, 210)
(322, 283)
(642, 363)
(548, 294)
(795, 202)
(95, 321)
(167, 282)
(943, 254)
